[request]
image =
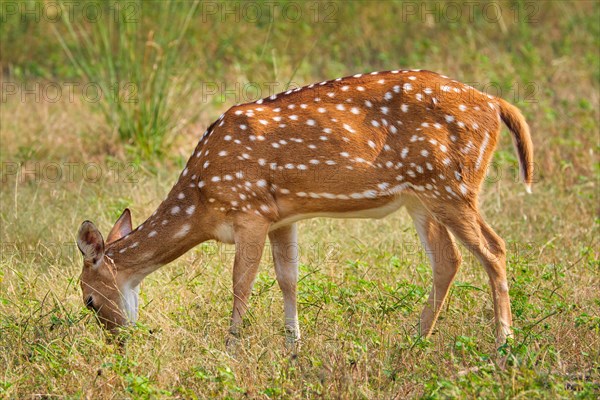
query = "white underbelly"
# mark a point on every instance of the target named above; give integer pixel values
(378, 212)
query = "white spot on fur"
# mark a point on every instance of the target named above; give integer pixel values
(182, 231)
(482, 150)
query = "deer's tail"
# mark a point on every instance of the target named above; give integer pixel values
(517, 125)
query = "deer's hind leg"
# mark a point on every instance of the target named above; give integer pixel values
(467, 224)
(445, 260)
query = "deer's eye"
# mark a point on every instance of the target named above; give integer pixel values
(89, 303)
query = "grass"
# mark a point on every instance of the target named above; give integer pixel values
(363, 283)
(134, 70)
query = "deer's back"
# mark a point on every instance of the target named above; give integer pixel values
(353, 143)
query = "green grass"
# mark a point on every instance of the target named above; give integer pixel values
(363, 283)
(136, 71)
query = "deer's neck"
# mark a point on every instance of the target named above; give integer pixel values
(175, 227)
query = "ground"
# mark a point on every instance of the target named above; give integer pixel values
(363, 282)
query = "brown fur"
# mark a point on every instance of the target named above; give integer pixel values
(358, 146)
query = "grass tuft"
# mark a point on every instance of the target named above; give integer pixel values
(136, 72)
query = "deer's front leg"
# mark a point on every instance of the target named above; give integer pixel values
(249, 239)
(284, 244)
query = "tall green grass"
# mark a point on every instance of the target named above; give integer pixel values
(136, 72)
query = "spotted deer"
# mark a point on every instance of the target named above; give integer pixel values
(355, 147)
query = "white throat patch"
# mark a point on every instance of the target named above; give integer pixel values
(130, 296)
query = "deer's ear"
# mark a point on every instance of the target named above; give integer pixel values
(122, 227)
(90, 243)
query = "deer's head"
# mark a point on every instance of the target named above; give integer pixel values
(106, 290)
